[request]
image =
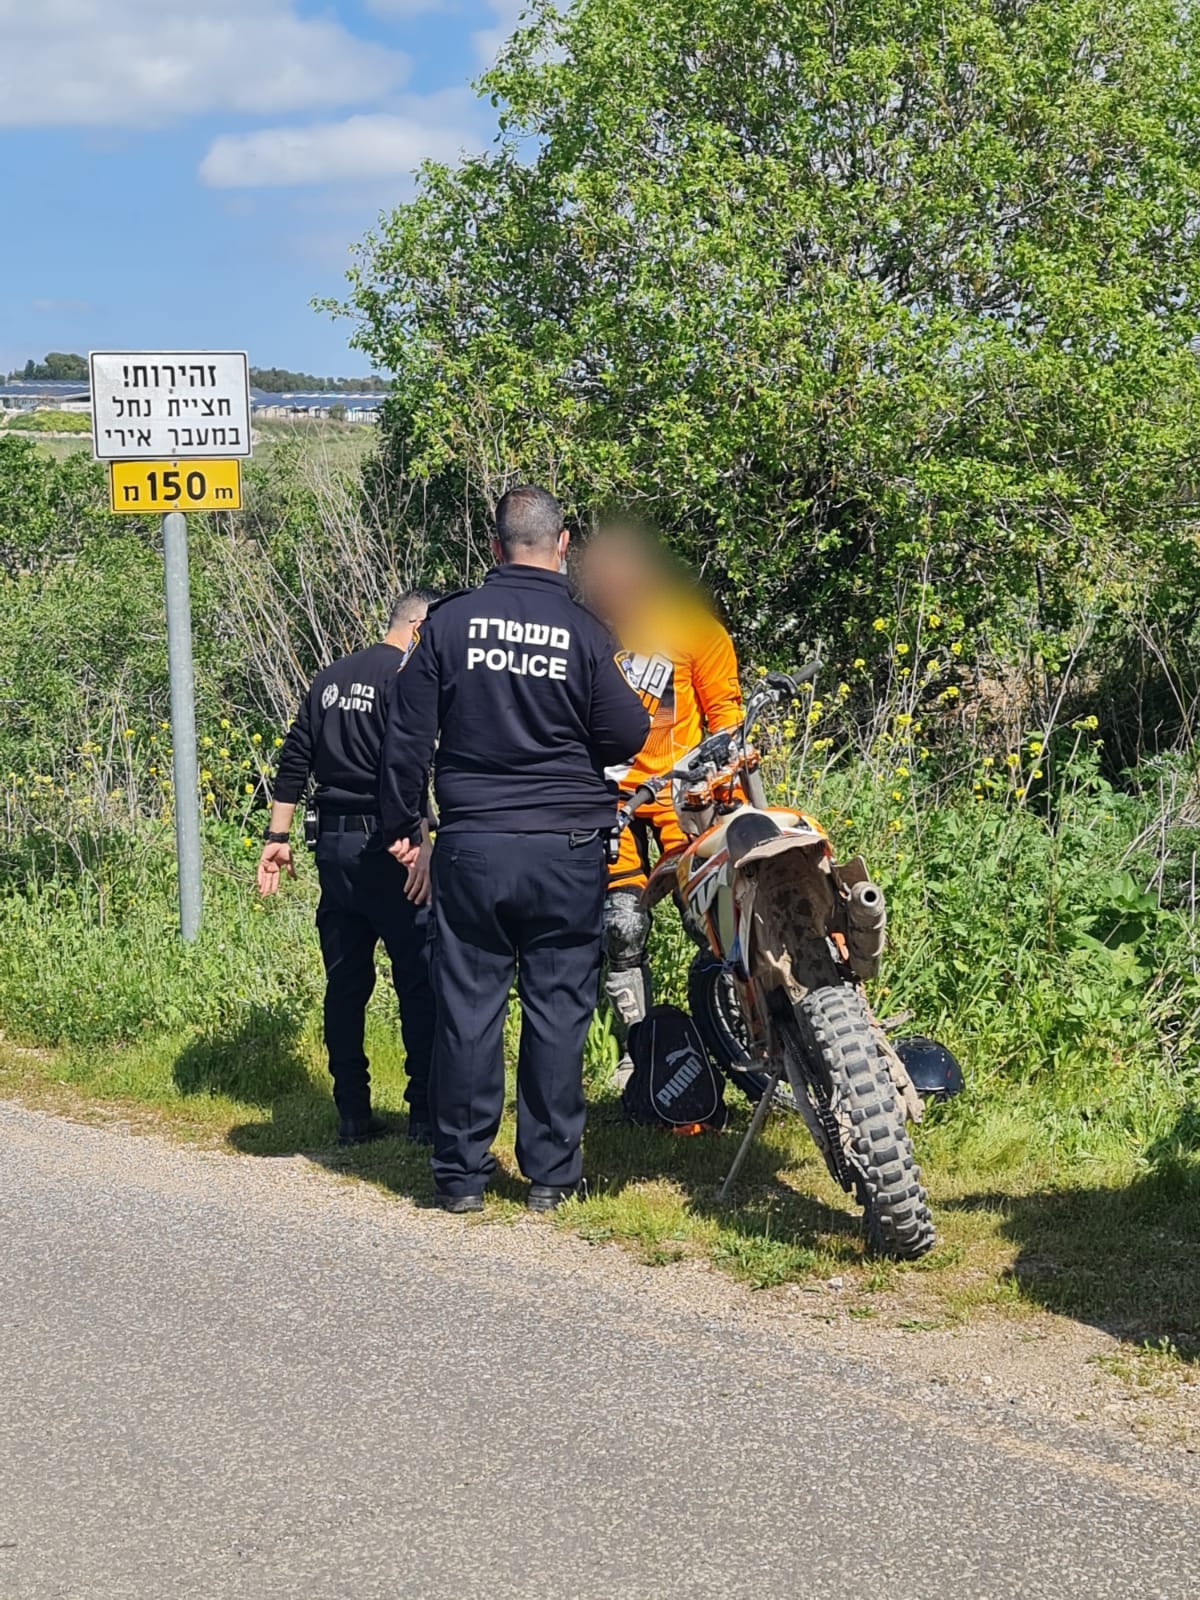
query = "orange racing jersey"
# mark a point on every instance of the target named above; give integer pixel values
(682, 663)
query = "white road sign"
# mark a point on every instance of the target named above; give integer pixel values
(169, 405)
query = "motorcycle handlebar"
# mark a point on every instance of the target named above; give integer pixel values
(718, 748)
(640, 797)
(789, 682)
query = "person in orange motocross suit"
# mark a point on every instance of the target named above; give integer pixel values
(683, 664)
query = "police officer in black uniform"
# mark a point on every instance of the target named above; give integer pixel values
(524, 690)
(366, 895)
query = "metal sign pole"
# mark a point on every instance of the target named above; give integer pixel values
(174, 426)
(183, 722)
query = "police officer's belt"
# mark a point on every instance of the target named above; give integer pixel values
(335, 822)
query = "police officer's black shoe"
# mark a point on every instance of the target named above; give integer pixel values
(361, 1130)
(420, 1131)
(548, 1197)
(457, 1204)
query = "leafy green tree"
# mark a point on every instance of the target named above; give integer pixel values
(58, 365)
(278, 380)
(847, 294)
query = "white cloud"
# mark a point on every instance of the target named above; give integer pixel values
(488, 42)
(383, 145)
(132, 63)
(405, 8)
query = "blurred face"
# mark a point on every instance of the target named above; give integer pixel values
(615, 574)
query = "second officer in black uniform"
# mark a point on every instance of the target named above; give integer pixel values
(366, 895)
(521, 688)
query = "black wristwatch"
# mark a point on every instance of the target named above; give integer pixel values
(276, 838)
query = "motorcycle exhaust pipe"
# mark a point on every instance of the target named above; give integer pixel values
(867, 928)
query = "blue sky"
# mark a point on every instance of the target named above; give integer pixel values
(190, 173)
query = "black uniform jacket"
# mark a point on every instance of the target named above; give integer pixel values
(523, 687)
(338, 734)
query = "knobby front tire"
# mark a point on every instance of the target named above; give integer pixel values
(841, 1043)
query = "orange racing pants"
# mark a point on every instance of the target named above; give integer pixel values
(655, 821)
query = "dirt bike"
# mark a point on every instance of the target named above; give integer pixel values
(787, 936)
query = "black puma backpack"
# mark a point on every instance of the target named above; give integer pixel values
(674, 1085)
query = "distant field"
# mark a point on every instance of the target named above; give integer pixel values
(49, 422)
(342, 443)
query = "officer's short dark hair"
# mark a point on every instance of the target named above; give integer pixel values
(528, 518)
(409, 599)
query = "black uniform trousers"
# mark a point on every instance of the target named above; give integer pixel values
(362, 901)
(533, 904)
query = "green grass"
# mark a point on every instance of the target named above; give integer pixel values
(1111, 1242)
(1066, 1179)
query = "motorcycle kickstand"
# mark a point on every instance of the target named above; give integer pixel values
(756, 1122)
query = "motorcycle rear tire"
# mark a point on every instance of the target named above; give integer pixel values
(714, 1008)
(840, 1042)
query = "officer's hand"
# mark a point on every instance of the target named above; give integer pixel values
(417, 887)
(274, 857)
(404, 851)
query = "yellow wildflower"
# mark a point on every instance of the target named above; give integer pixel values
(224, 722)
(256, 738)
(901, 649)
(934, 620)
(1012, 759)
(1036, 773)
(956, 648)
(904, 720)
(859, 662)
(879, 625)
(902, 771)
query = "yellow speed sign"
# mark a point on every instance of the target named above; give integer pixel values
(140, 486)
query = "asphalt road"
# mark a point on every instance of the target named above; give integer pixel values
(229, 1377)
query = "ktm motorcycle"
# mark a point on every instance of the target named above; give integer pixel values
(787, 937)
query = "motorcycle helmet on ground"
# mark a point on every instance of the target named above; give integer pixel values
(935, 1073)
